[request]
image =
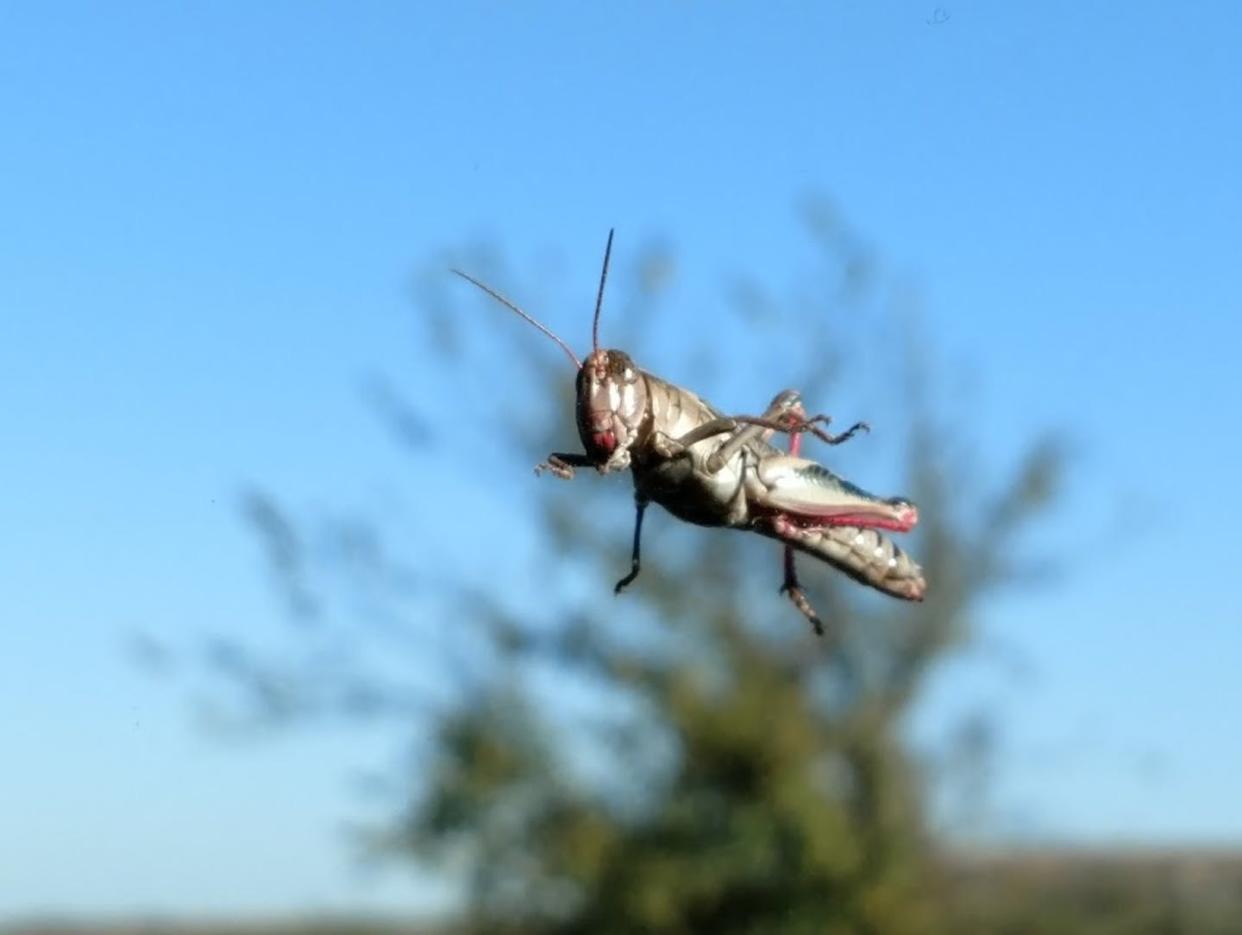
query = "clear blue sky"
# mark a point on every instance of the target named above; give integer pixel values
(208, 221)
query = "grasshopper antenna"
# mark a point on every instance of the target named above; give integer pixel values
(599, 299)
(513, 308)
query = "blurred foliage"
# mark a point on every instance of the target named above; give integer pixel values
(688, 758)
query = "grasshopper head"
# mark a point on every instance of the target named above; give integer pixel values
(612, 398)
(612, 393)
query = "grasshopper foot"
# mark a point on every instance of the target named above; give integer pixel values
(798, 422)
(844, 436)
(793, 589)
(626, 581)
(799, 599)
(562, 465)
(563, 471)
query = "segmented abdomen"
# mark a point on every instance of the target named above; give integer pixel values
(866, 555)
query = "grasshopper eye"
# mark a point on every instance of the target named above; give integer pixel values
(628, 373)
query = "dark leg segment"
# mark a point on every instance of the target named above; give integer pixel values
(640, 504)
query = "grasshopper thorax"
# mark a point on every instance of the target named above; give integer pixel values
(611, 403)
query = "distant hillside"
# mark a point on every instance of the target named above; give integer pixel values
(156, 926)
(1186, 892)
(1008, 893)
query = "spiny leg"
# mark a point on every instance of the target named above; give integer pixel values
(775, 418)
(795, 424)
(744, 429)
(739, 436)
(791, 586)
(562, 464)
(788, 406)
(640, 504)
(785, 414)
(793, 589)
(724, 425)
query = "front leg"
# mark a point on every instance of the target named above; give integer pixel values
(562, 464)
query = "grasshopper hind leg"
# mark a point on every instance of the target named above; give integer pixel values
(791, 587)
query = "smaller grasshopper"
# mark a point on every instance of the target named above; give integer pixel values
(711, 469)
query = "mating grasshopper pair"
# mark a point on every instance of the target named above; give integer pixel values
(717, 470)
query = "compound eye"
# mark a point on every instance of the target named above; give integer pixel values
(628, 373)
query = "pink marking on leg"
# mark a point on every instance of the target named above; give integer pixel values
(903, 522)
(795, 418)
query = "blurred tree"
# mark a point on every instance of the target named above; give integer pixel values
(688, 758)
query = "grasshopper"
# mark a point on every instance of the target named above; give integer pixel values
(720, 470)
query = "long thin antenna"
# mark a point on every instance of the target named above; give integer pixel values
(513, 308)
(599, 299)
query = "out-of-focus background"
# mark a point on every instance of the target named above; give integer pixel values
(291, 637)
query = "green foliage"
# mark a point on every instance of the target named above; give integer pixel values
(779, 798)
(692, 759)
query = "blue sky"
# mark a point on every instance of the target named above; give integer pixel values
(211, 217)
